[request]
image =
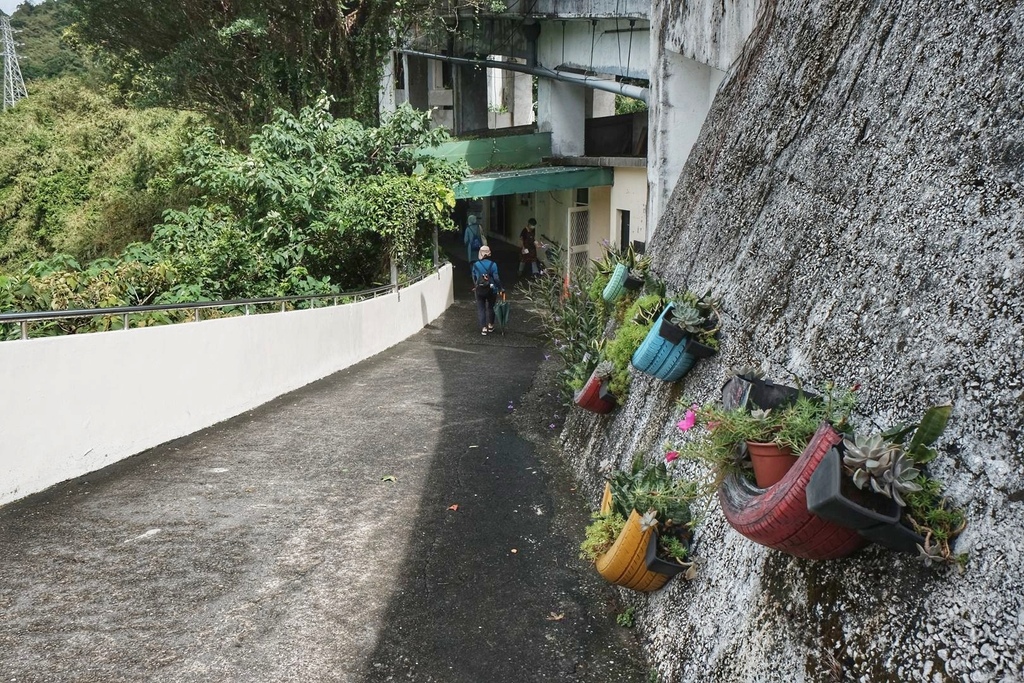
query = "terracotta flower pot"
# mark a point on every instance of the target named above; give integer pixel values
(770, 462)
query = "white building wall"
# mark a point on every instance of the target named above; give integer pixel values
(604, 49)
(629, 193)
(702, 39)
(75, 404)
(561, 109)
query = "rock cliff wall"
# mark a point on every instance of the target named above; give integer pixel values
(855, 197)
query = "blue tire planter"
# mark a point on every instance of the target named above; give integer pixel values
(616, 283)
(661, 358)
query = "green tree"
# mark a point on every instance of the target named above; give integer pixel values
(314, 200)
(239, 60)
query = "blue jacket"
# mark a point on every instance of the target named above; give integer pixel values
(487, 266)
(467, 238)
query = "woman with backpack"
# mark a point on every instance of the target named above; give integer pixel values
(486, 286)
(473, 239)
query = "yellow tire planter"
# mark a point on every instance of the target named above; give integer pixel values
(625, 563)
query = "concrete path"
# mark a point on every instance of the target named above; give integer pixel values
(387, 523)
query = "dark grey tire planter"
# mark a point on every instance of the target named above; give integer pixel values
(894, 537)
(673, 334)
(633, 283)
(874, 516)
(741, 390)
(656, 564)
(846, 505)
(698, 350)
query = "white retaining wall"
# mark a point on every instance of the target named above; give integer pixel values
(72, 405)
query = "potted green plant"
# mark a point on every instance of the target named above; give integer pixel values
(635, 279)
(876, 484)
(625, 269)
(635, 326)
(641, 536)
(773, 514)
(767, 438)
(685, 331)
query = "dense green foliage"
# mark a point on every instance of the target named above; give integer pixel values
(314, 201)
(83, 176)
(570, 319)
(239, 60)
(316, 205)
(634, 324)
(43, 49)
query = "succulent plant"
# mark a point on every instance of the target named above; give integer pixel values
(686, 317)
(636, 273)
(930, 553)
(649, 520)
(747, 372)
(883, 465)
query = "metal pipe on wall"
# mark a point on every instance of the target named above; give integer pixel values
(632, 91)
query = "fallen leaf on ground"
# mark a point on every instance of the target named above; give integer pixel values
(454, 508)
(389, 477)
(554, 616)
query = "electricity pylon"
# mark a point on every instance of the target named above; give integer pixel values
(14, 86)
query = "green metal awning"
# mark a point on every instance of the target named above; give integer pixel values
(533, 180)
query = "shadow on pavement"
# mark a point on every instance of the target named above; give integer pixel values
(494, 590)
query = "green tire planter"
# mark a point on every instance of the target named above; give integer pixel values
(616, 283)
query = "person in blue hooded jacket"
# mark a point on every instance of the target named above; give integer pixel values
(486, 286)
(473, 239)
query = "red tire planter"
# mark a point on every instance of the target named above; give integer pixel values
(777, 517)
(591, 397)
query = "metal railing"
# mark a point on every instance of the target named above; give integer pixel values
(247, 305)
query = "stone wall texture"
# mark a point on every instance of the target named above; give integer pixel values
(855, 198)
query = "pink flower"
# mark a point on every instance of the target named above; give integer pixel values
(686, 424)
(671, 455)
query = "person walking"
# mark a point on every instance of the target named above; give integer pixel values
(473, 239)
(528, 248)
(486, 286)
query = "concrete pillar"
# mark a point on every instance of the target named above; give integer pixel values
(470, 99)
(386, 99)
(600, 103)
(522, 100)
(416, 82)
(681, 96)
(561, 109)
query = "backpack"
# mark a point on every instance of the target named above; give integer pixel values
(484, 286)
(475, 242)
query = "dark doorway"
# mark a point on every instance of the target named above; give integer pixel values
(623, 229)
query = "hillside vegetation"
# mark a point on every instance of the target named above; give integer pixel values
(261, 190)
(82, 175)
(44, 41)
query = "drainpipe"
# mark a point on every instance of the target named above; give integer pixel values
(632, 91)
